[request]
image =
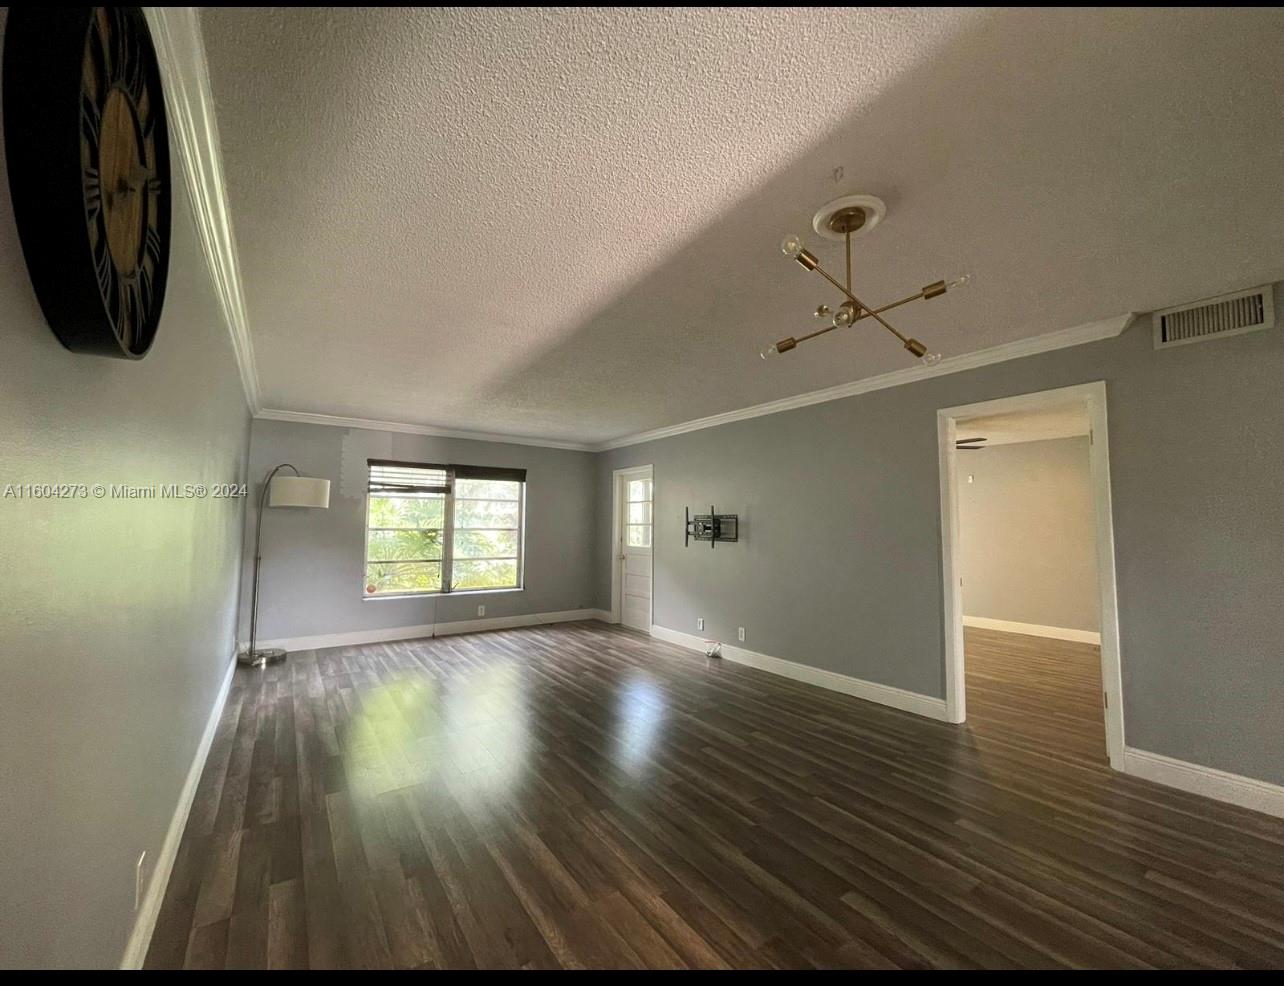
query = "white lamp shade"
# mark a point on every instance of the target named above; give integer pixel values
(299, 491)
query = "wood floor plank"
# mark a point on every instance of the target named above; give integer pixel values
(287, 940)
(582, 796)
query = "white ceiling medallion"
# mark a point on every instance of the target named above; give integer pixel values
(850, 207)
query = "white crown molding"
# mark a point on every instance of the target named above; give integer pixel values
(140, 937)
(338, 421)
(1063, 339)
(870, 691)
(180, 51)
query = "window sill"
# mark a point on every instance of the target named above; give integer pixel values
(439, 595)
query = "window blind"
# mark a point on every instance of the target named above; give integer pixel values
(497, 473)
(388, 477)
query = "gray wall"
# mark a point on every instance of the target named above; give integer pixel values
(117, 616)
(1027, 536)
(313, 559)
(840, 566)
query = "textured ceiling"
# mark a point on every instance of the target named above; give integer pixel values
(564, 224)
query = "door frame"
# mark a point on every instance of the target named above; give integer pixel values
(618, 478)
(1094, 397)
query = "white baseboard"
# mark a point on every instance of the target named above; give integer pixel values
(317, 641)
(507, 622)
(382, 635)
(1235, 789)
(1033, 629)
(897, 698)
(149, 910)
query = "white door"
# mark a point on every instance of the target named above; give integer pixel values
(635, 496)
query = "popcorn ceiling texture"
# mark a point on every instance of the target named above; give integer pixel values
(565, 223)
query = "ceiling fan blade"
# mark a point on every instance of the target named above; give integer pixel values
(970, 448)
(970, 441)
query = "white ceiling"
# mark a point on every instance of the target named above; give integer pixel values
(1058, 421)
(565, 224)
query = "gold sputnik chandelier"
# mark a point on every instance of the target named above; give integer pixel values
(843, 219)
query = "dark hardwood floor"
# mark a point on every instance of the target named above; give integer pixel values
(580, 795)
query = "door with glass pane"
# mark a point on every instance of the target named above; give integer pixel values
(636, 493)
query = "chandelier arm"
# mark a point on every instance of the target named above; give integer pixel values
(848, 238)
(865, 313)
(818, 332)
(860, 304)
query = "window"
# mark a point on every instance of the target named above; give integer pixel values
(638, 526)
(443, 528)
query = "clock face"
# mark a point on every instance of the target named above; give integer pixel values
(118, 157)
(88, 150)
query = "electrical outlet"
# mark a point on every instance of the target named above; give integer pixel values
(740, 634)
(140, 879)
(700, 623)
(481, 610)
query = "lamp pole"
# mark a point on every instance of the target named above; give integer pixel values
(252, 656)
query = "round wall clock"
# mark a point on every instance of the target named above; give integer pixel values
(87, 147)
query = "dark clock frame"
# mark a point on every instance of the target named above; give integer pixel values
(44, 52)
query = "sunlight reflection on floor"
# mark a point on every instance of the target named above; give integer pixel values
(471, 732)
(642, 709)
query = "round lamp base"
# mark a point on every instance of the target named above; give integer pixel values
(261, 658)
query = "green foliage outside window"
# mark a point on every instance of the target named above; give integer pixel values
(406, 538)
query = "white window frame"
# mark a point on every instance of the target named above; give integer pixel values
(448, 542)
(448, 545)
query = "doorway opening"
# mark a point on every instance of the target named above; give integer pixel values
(1027, 544)
(632, 551)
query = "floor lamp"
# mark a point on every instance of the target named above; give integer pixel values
(278, 491)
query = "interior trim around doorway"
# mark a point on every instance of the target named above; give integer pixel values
(1094, 397)
(618, 478)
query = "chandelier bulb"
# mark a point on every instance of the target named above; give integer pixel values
(769, 351)
(962, 281)
(931, 359)
(822, 311)
(791, 246)
(845, 315)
